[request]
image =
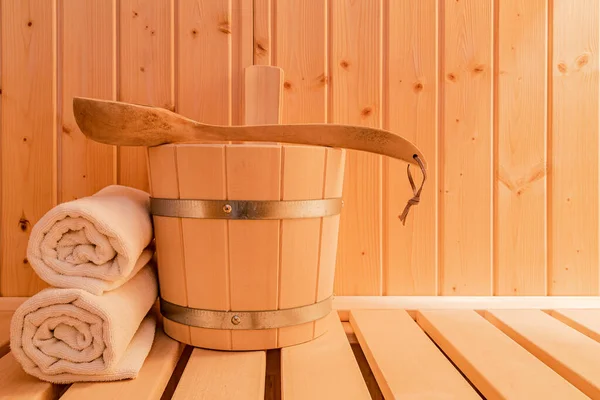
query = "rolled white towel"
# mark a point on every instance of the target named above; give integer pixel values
(94, 243)
(71, 335)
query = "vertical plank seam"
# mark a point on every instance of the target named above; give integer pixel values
(441, 145)
(280, 235)
(231, 56)
(253, 36)
(115, 154)
(495, 145)
(319, 251)
(175, 54)
(228, 241)
(2, 144)
(273, 36)
(494, 148)
(181, 237)
(329, 67)
(379, 158)
(55, 100)
(117, 91)
(59, 99)
(549, 155)
(385, 179)
(326, 61)
(436, 150)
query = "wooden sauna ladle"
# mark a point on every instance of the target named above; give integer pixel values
(127, 124)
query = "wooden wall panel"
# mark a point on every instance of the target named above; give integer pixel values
(262, 35)
(520, 180)
(242, 57)
(301, 51)
(411, 109)
(573, 218)
(28, 65)
(466, 149)
(145, 71)
(502, 97)
(203, 63)
(356, 98)
(88, 68)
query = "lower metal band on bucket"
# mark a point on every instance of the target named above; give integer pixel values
(242, 209)
(270, 319)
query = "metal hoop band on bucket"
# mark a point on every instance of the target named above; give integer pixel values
(242, 209)
(267, 319)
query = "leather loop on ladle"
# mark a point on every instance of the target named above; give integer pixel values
(416, 193)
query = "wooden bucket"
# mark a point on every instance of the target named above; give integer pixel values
(247, 260)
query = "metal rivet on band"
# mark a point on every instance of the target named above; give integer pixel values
(244, 320)
(227, 208)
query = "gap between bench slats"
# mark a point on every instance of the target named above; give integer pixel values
(324, 368)
(405, 362)
(498, 366)
(570, 353)
(585, 321)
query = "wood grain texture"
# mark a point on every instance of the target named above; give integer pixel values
(410, 252)
(324, 368)
(15, 384)
(222, 376)
(356, 98)
(150, 382)
(169, 239)
(303, 177)
(585, 321)
(28, 123)
(262, 95)
(573, 267)
(263, 32)
(88, 68)
(145, 72)
(335, 163)
(518, 118)
(201, 170)
(242, 28)
(520, 181)
(571, 354)
(466, 160)
(406, 363)
(204, 60)
(496, 365)
(301, 50)
(254, 173)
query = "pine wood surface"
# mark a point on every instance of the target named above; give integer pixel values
(546, 350)
(501, 97)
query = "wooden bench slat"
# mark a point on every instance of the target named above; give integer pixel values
(498, 366)
(219, 375)
(324, 368)
(570, 353)
(585, 321)
(405, 362)
(15, 384)
(150, 383)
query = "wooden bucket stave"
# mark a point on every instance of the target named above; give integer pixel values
(246, 265)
